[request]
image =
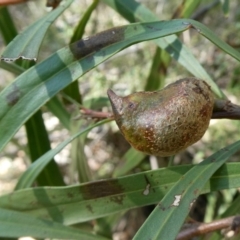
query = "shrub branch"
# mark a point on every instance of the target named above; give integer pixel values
(222, 109)
(232, 223)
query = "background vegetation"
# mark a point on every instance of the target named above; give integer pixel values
(52, 156)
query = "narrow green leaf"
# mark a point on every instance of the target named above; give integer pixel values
(12, 67)
(57, 108)
(44, 80)
(158, 70)
(29, 176)
(189, 6)
(130, 160)
(211, 36)
(8, 30)
(47, 78)
(89, 201)
(54, 105)
(73, 89)
(135, 11)
(39, 144)
(79, 161)
(26, 45)
(176, 204)
(232, 210)
(96, 103)
(79, 31)
(15, 224)
(225, 7)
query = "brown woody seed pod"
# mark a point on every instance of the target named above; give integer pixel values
(162, 123)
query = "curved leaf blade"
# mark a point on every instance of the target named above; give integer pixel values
(131, 159)
(158, 71)
(225, 7)
(135, 11)
(44, 80)
(79, 30)
(29, 176)
(39, 143)
(15, 224)
(26, 45)
(8, 30)
(175, 206)
(89, 201)
(206, 32)
(47, 78)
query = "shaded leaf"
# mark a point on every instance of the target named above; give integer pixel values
(189, 7)
(47, 78)
(73, 89)
(175, 205)
(8, 30)
(232, 210)
(11, 67)
(26, 45)
(158, 70)
(135, 11)
(225, 7)
(57, 108)
(15, 224)
(130, 160)
(89, 201)
(79, 161)
(38, 143)
(29, 176)
(42, 82)
(79, 31)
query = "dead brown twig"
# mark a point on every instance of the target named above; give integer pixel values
(202, 228)
(85, 112)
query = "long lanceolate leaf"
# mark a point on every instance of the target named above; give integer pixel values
(8, 31)
(29, 176)
(38, 143)
(36, 86)
(89, 201)
(175, 205)
(15, 224)
(73, 89)
(135, 11)
(26, 45)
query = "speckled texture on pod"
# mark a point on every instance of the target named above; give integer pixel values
(162, 123)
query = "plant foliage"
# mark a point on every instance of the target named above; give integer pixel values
(55, 84)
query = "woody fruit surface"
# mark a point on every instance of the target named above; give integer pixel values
(165, 122)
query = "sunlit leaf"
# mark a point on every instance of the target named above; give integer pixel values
(89, 201)
(47, 78)
(26, 45)
(225, 7)
(8, 30)
(38, 143)
(131, 159)
(29, 176)
(15, 224)
(135, 11)
(175, 205)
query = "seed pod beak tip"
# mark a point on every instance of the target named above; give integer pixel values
(115, 100)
